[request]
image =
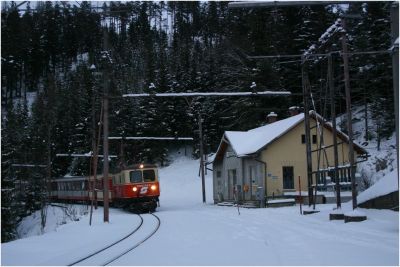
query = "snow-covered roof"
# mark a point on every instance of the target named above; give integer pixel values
(246, 143)
(249, 142)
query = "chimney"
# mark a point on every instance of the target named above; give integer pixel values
(293, 111)
(271, 117)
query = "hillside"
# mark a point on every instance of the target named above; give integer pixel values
(382, 162)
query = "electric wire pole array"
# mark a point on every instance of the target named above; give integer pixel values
(307, 93)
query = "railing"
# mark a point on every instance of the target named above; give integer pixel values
(326, 179)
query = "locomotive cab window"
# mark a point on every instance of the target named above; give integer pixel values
(135, 176)
(149, 175)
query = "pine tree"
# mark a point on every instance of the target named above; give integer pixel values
(15, 140)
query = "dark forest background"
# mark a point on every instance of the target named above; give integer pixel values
(58, 51)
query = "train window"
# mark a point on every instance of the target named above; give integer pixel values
(135, 176)
(149, 175)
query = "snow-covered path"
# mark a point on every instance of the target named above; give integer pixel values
(193, 233)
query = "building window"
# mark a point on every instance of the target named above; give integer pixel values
(288, 177)
(303, 139)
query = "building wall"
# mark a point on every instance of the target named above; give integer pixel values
(223, 184)
(288, 150)
(217, 182)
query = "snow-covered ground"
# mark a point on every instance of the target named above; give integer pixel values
(193, 233)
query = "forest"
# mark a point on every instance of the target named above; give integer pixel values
(57, 58)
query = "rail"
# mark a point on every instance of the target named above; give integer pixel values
(129, 249)
(112, 244)
(139, 243)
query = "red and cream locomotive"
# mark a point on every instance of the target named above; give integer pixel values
(135, 188)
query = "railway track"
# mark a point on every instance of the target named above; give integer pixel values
(123, 246)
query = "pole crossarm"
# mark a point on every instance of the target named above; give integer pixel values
(83, 155)
(29, 165)
(149, 138)
(264, 93)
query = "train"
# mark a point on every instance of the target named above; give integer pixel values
(135, 188)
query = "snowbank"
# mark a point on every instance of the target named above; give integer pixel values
(387, 184)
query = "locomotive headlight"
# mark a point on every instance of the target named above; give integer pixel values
(141, 166)
(134, 189)
(153, 187)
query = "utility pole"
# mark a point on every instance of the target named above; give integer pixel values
(349, 117)
(394, 17)
(202, 158)
(46, 181)
(92, 182)
(333, 116)
(105, 131)
(306, 94)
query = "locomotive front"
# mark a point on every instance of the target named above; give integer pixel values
(137, 187)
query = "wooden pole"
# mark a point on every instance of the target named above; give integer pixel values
(349, 115)
(394, 17)
(202, 159)
(306, 94)
(105, 135)
(335, 144)
(105, 161)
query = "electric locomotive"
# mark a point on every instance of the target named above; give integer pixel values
(135, 188)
